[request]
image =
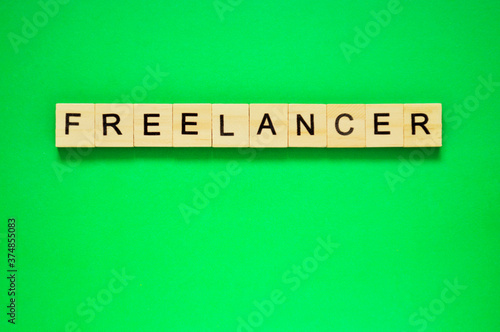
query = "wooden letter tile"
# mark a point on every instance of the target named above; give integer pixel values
(230, 125)
(192, 125)
(346, 125)
(269, 125)
(307, 125)
(384, 125)
(114, 125)
(422, 125)
(75, 125)
(152, 124)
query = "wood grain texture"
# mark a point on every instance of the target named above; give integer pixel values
(299, 113)
(388, 132)
(235, 120)
(278, 116)
(81, 129)
(249, 125)
(418, 136)
(158, 120)
(192, 125)
(346, 125)
(109, 137)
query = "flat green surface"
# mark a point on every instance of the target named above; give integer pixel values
(407, 223)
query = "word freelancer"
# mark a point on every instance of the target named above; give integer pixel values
(248, 125)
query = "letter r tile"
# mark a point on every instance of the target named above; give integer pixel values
(114, 125)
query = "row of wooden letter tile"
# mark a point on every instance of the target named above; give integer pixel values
(248, 125)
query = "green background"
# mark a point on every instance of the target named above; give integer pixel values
(407, 221)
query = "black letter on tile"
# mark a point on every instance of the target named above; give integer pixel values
(269, 126)
(184, 124)
(310, 129)
(146, 124)
(105, 123)
(343, 133)
(66, 131)
(376, 124)
(222, 133)
(421, 124)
